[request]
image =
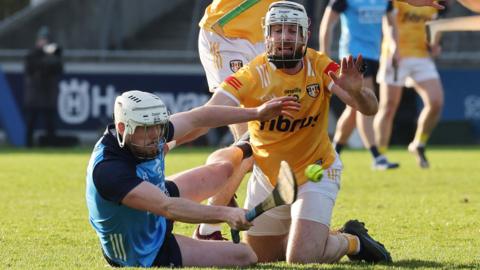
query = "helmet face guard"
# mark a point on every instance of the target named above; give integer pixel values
(145, 118)
(283, 20)
(150, 141)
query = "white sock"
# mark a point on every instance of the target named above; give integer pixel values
(206, 229)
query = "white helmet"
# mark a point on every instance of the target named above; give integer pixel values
(136, 108)
(286, 13)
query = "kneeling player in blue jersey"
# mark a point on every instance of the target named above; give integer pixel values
(131, 204)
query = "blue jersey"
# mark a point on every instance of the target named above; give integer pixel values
(129, 237)
(361, 24)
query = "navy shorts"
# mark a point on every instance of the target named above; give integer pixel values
(371, 68)
(169, 254)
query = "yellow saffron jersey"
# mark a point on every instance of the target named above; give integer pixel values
(247, 25)
(300, 141)
(412, 36)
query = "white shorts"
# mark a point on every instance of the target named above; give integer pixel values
(314, 202)
(410, 69)
(222, 56)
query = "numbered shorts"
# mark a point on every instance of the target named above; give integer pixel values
(410, 70)
(221, 56)
(314, 202)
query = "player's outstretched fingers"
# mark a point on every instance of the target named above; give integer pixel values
(350, 62)
(359, 64)
(343, 65)
(288, 114)
(291, 105)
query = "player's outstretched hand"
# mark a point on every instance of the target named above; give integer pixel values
(278, 106)
(237, 220)
(351, 77)
(425, 3)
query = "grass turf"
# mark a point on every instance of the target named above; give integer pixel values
(427, 218)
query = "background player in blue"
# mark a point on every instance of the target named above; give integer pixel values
(361, 27)
(130, 203)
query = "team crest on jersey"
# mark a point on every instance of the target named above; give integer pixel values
(235, 65)
(313, 90)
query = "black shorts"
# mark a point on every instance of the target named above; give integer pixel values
(371, 68)
(169, 254)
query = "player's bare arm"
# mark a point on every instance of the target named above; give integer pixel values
(216, 116)
(148, 197)
(423, 3)
(473, 5)
(329, 20)
(393, 35)
(349, 87)
(218, 98)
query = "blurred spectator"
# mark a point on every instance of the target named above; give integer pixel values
(43, 67)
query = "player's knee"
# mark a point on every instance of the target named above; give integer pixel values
(436, 105)
(389, 108)
(303, 256)
(297, 258)
(246, 256)
(312, 258)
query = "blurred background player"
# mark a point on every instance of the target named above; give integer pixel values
(223, 50)
(361, 25)
(43, 68)
(131, 204)
(416, 68)
(299, 233)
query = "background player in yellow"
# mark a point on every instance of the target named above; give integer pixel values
(415, 68)
(299, 233)
(230, 36)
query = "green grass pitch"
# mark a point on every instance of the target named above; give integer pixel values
(427, 218)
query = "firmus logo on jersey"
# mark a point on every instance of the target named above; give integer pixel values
(283, 124)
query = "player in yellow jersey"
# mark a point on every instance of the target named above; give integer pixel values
(415, 68)
(299, 233)
(230, 36)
